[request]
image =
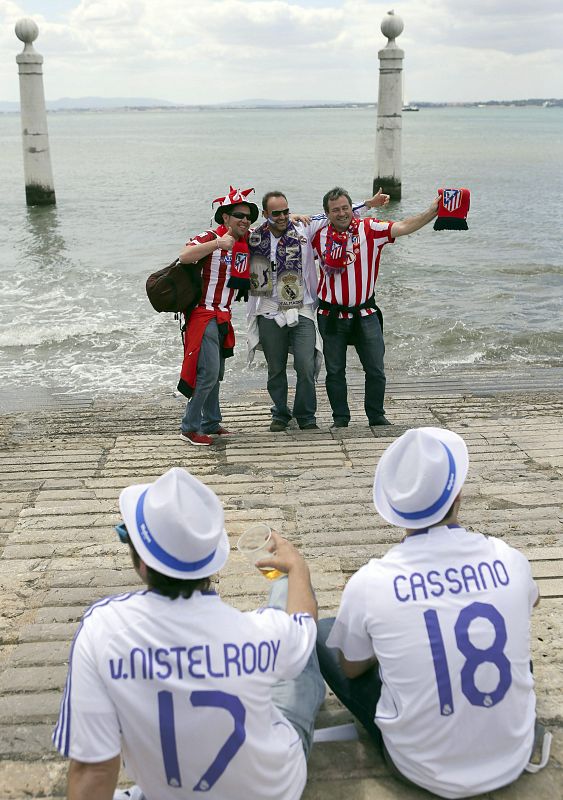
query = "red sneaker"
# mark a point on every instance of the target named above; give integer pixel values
(196, 438)
(222, 432)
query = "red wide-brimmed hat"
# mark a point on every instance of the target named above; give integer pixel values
(233, 198)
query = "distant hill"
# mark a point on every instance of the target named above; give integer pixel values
(95, 103)
(263, 103)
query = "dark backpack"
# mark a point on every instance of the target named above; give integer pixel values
(176, 287)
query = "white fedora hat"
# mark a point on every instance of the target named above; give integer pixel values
(419, 476)
(176, 525)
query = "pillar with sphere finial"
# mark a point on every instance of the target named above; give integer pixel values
(389, 110)
(39, 186)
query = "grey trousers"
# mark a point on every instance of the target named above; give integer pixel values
(275, 343)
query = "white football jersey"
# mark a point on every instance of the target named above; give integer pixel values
(447, 614)
(183, 689)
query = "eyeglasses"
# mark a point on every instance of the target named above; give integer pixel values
(121, 531)
(241, 215)
(282, 211)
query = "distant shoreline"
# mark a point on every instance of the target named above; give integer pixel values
(98, 106)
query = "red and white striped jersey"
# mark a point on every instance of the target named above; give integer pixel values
(216, 271)
(356, 284)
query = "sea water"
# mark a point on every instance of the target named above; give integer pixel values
(132, 187)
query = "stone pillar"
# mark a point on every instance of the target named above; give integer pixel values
(39, 186)
(389, 111)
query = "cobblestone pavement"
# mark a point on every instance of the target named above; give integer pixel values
(62, 471)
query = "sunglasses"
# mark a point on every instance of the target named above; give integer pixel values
(282, 211)
(121, 531)
(241, 215)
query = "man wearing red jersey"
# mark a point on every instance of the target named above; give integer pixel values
(209, 335)
(348, 251)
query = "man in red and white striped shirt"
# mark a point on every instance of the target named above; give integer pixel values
(348, 250)
(209, 335)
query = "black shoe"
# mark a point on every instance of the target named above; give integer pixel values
(380, 420)
(340, 423)
(277, 426)
(310, 427)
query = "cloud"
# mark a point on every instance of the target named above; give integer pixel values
(217, 50)
(509, 26)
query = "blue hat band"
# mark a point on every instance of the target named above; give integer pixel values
(157, 551)
(441, 501)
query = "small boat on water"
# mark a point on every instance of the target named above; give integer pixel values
(410, 107)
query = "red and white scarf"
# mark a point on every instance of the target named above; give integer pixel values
(240, 262)
(341, 248)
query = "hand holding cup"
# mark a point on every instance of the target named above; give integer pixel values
(273, 555)
(257, 544)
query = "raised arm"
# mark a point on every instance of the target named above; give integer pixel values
(378, 200)
(287, 558)
(193, 252)
(412, 224)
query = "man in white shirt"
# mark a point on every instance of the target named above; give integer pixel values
(434, 638)
(281, 311)
(196, 695)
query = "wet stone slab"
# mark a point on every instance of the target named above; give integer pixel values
(58, 502)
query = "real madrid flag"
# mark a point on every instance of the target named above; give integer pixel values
(452, 210)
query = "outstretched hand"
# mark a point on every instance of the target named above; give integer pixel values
(303, 218)
(378, 200)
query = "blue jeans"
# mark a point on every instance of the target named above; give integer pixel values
(298, 699)
(203, 413)
(359, 695)
(370, 349)
(275, 343)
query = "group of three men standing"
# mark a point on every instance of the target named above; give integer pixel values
(276, 262)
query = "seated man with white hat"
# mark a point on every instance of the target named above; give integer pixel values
(194, 694)
(434, 637)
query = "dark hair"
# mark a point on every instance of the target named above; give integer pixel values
(268, 195)
(334, 194)
(164, 584)
(450, 510)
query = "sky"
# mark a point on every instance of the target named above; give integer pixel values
(216, 51)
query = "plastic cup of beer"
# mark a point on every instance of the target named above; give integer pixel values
(254, 545)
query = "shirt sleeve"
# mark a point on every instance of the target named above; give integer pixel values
(524, 572)
(349, 633)
(379, 229)
(297, 635)
(202, 238)
(317, 222)
(88, 726)
(533, 590)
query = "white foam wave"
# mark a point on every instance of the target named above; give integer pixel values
(40, 334)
